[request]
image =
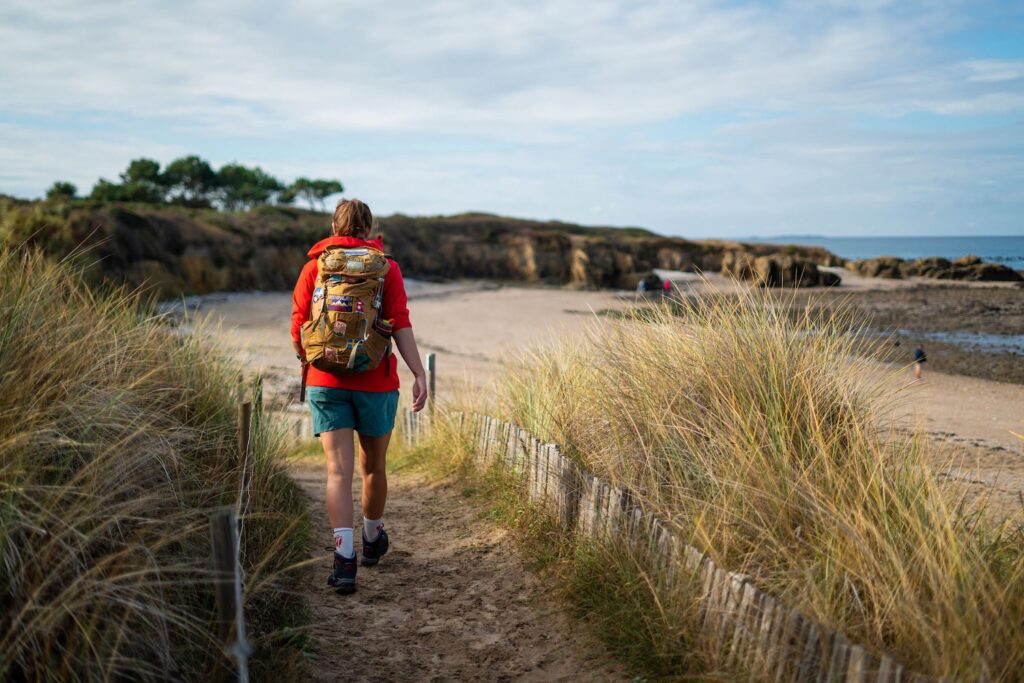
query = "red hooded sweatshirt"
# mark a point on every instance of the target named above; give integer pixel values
(395, 307)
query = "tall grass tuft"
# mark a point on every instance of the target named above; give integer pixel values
(117, 437)
(764, 440)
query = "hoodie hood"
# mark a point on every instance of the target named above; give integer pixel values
(343, 241)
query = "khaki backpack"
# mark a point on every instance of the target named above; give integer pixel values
(345, 334)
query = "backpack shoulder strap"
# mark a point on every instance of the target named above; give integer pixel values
(319, 294)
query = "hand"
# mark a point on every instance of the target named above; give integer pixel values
(419, 393)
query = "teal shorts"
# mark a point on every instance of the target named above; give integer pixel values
(371, 413)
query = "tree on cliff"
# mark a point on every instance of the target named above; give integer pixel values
(316, 190)
(61, 190)
(140, 182)
(143, 182)
(243, 187)
(106, 191)
(192, 181)
(287, 195)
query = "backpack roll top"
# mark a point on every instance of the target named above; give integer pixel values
(345, 334)
(358, 262)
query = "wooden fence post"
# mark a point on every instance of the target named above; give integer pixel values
(227, 586)
(244, 430)
(257, 398)
(431, 380)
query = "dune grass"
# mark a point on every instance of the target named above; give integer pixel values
(767, 443)
(117, 438)
(765, 440)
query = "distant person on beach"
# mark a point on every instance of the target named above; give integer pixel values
(344, 321)
(919, 359)
(652, 284)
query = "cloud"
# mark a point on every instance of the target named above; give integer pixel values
(460, 64)
(994, 70)
(663, 112)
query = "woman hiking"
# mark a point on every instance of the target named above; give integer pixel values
(342, 322)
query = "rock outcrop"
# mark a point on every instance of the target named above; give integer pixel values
(967, 268)
(778, 270)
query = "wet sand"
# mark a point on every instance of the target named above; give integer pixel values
(974, 329)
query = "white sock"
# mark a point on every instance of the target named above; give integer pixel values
(372, 529)
(343, 542)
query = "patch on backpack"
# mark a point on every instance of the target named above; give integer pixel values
(340, 327)
(339, 303)
(356, 252)
(318, 294)
(354, 266)
(359, 306)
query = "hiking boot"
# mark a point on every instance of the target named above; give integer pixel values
(343, 578)
(372, 552)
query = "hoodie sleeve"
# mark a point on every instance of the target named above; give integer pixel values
(395, 306)
(301, 298)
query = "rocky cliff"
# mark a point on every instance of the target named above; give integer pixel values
(484, 246)
(192, 251)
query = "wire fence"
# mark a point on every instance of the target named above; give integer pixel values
(227, 529)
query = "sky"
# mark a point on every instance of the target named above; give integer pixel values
(701, 119)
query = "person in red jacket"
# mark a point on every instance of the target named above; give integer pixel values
(364, 403)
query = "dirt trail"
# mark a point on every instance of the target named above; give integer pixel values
(451, 601)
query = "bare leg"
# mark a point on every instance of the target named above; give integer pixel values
(917, 370)
(339, 448)
(373, 452)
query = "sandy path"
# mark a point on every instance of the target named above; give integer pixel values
(451, 601)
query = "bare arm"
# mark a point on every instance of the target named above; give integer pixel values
(405, 340)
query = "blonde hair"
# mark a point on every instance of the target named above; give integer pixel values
(352, 218)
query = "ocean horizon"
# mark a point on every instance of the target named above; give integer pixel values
(1005, 249)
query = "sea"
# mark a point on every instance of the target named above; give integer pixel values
(1008, 250)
